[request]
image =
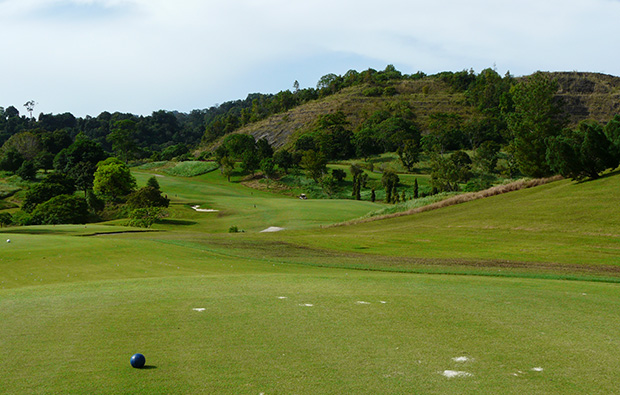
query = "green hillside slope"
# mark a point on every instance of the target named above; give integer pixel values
(565, 228)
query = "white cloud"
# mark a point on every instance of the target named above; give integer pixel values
(86, 56)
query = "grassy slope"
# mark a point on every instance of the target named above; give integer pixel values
(560, 224)
(74, 308)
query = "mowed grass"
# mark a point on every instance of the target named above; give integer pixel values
(572, 226)
(250, 210)
(310, 331)
(290, 312)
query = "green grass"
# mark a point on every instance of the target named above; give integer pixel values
(78, 301)
(191, 168)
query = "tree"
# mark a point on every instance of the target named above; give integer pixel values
(366, 144)
(581, 153)
(537, 117)
(11, 160)
(27, 171)
(227, 166)
(409, 153)
(264, 149)
(53, 185)
(448, 171)
(486, 156)
(389, 180)
(6, 219)
(415, 188)
(62, 209)
(339, 175)
(445, 129)
(147, 197)
(250, 161)
(612, 131)
(268, 167)
(30, 106)
(121, 137)
(315, 164)
(27, 143)
(329, 184)
(80, 161)
(145, 217)
(283, 159)
(113, 180)
(153, 183)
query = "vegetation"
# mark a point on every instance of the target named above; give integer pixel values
(509, 256)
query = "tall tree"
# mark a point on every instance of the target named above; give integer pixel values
(315, 164)
(581, 153)
(121, 138)
(113, 180)
(537, 116)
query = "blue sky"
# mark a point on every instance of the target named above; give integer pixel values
(139, 56)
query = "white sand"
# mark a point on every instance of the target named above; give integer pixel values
(537, 369)
(453, 373)
(306, 305)
(204, 210)
(361, 302)
(461, 359)
(282, 297)
(200, 309)
(272, 229)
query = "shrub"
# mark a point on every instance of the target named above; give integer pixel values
(6, 219)
(145, 217)
(62, 209)
(27, 171)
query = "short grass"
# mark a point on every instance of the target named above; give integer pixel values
(308, 310)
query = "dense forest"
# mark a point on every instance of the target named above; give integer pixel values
(462, 123)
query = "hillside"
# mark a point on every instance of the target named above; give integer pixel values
(586, 96)
(564, 227)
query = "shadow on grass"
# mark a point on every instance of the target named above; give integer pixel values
(148, 367)
(179, 222)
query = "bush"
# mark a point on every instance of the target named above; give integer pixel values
(27, 171)
(373, 92)
(62, 209)
(145, 217)
(233, 229)
(6, 219)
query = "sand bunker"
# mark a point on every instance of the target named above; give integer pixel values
(200, 309)
(282, 297)
(537, 369)
(454, 373)
(272, 229)
(362, 302)
(204, 210)
(461, 359)
(306, 305)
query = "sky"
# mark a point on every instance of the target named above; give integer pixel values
(140, 56)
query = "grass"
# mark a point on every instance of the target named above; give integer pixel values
(308, 310)
(191, 168)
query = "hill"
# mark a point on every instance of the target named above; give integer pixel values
(586, 96)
